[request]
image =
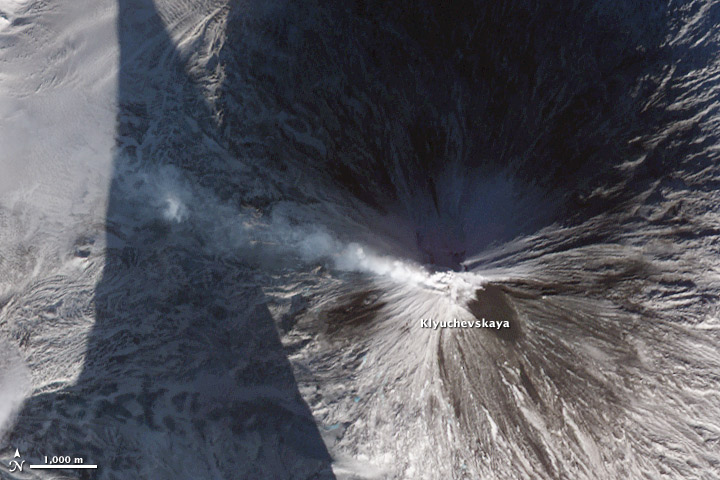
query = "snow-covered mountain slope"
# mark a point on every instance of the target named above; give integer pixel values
(238, 239)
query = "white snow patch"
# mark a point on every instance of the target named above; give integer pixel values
(14, 384)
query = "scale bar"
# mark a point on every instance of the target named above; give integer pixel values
(63, 466)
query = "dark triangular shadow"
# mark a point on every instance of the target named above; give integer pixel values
(185, 375)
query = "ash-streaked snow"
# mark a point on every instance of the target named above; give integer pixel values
(222, 224)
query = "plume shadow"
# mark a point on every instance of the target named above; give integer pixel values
(185, 375)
